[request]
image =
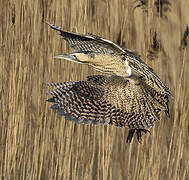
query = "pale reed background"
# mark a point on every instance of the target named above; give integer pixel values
(35, 143)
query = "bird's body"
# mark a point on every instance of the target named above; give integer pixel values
(131, 94)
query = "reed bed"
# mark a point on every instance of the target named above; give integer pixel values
(35, 143)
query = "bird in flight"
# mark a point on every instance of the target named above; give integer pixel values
(129, 94)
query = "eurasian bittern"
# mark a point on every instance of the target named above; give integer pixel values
(131, 94)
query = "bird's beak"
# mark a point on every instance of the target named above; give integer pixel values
(62, 56)
(68, 57)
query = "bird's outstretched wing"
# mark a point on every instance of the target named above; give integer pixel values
(83, 101)
(88, 42)
(105, 100)
(102, 54)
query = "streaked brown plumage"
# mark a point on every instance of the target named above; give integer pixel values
(130, 95)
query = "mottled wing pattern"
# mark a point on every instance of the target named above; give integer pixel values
(88, 102)
(142, 112)
(83, 102)
(158, 90)
(89, 42)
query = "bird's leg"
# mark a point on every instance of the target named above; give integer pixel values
(130, 135)
(138, 133)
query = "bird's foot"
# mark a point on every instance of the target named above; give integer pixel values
(138, 133)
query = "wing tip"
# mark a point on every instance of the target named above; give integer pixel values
(51, 100)
(47, 22)
(55, 107)
(58, 28)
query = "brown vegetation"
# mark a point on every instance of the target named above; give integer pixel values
(35, 143)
